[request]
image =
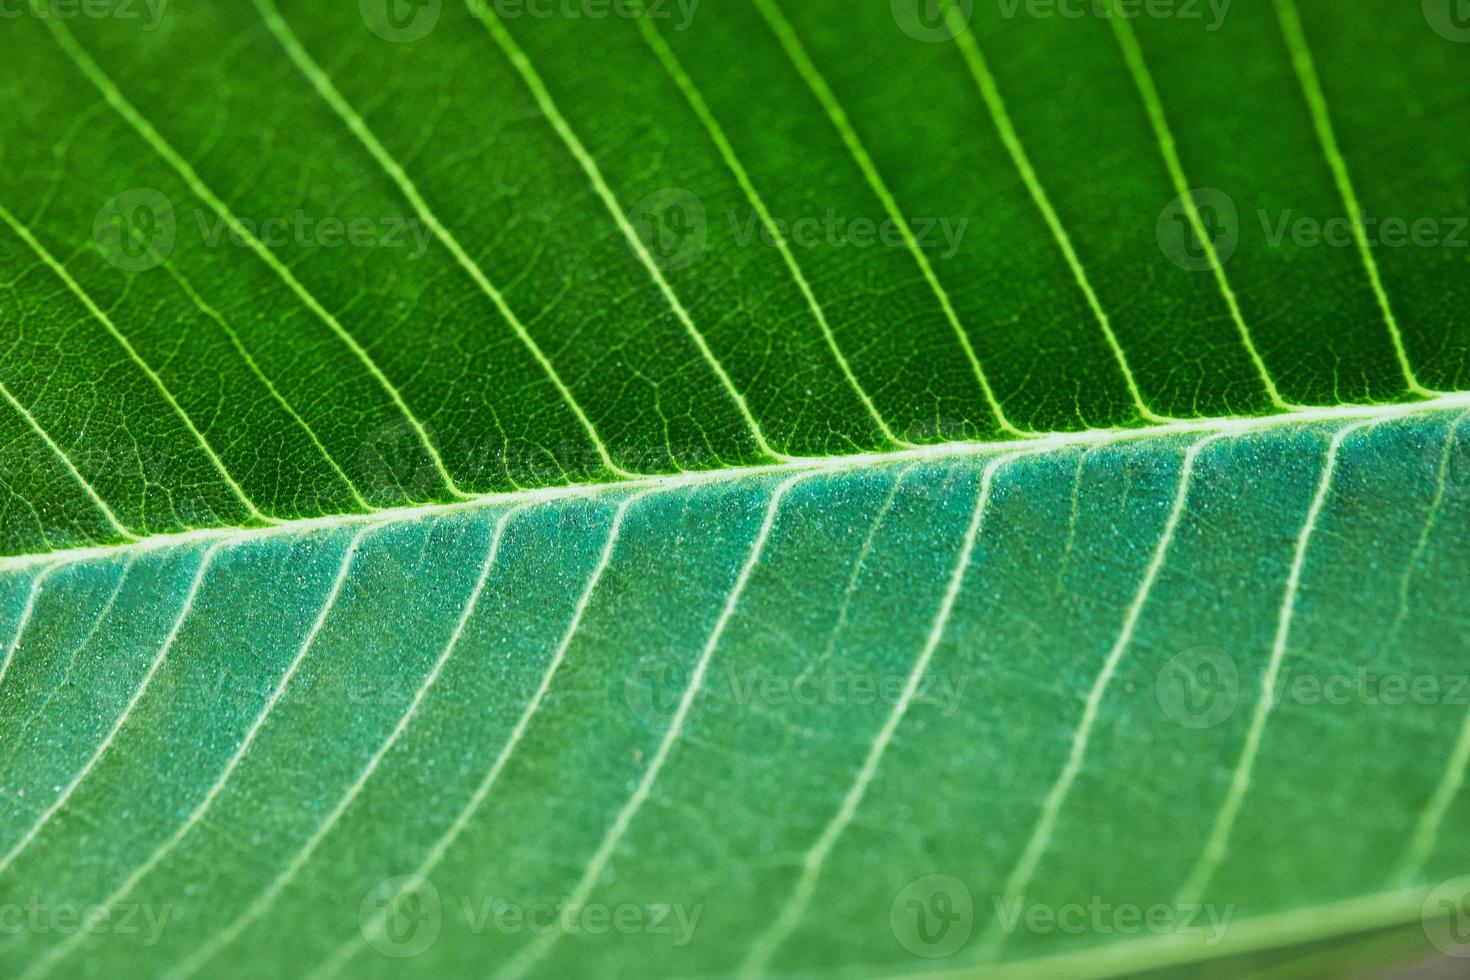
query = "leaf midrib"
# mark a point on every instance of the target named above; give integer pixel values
(1038, 444)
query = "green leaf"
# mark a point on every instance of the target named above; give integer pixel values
(581, 488)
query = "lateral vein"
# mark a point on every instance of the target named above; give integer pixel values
(65, 795)
(45, 963)
(349, 948)
(51, 262)
(766, 945)
(359, 128)
(533, 952)
(1041, 834)
(532, 79)
(114, 97)
(1306, 73)
(1143, 79)
(804, 65)
(990, 93)
(717, 135)
(1219, 840)
(71, 467)
(220, 940)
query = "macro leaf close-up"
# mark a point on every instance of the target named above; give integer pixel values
(701, 488)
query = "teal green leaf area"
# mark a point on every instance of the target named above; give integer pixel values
(733, 488)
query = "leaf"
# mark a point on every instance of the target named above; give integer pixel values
(685, 489)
